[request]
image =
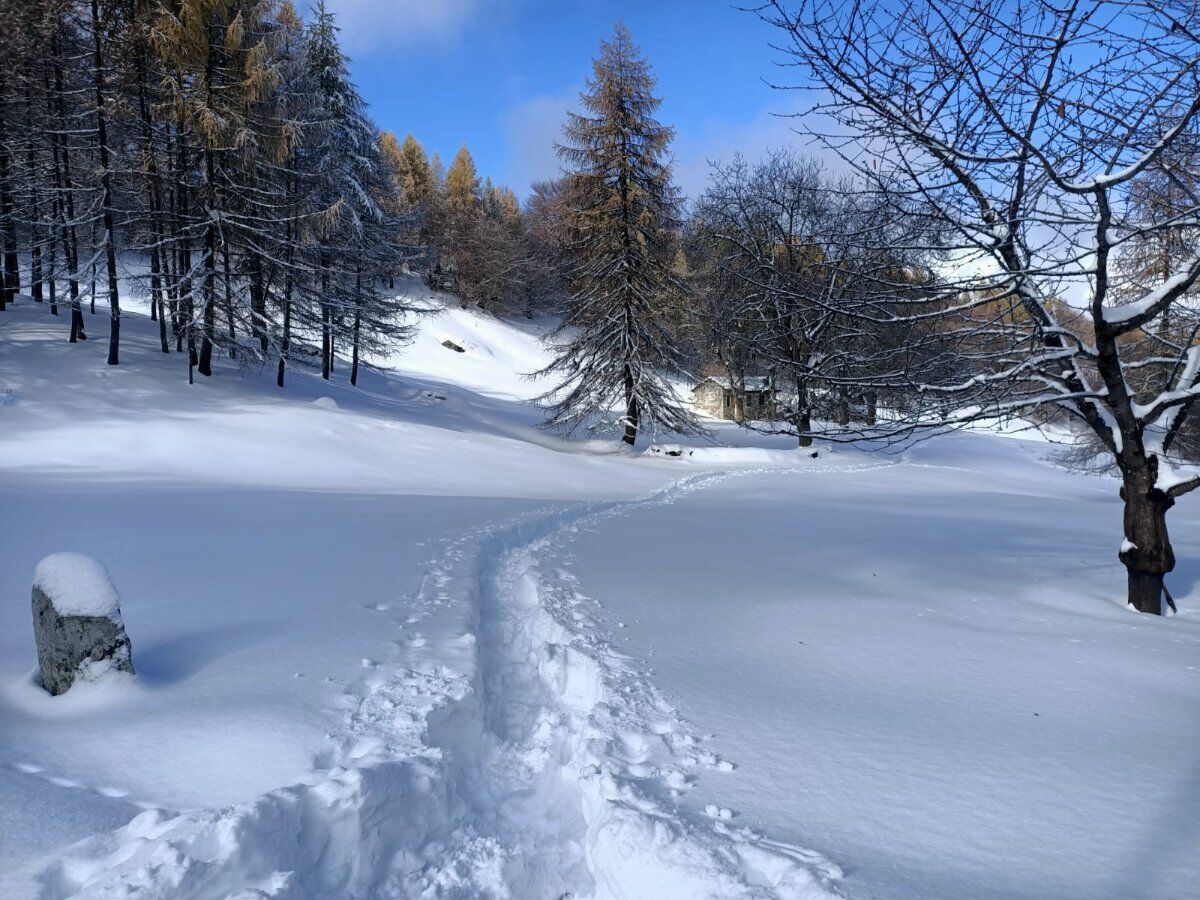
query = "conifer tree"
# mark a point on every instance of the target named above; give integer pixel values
(622, 213)
(462, 199)
(352, 239)
(417, 176)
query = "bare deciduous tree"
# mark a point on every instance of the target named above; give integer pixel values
(1022, 131)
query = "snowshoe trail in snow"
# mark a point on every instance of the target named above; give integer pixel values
(504, 751)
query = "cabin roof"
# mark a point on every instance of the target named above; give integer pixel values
(751, 383)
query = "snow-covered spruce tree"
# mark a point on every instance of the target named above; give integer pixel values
(1023, 132)
(292, 177)
(622, 214)
(353, 244)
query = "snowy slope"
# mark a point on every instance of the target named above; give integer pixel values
(302, 577)
(401, 642)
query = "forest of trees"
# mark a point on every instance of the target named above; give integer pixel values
(216, 158)
(1012, 229)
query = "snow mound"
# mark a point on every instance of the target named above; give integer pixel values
(326, 403)
(77, 585)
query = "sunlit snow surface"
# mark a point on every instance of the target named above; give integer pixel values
(398, 641)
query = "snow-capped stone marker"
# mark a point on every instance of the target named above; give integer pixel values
(77, 622)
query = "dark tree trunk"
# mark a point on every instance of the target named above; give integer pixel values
(285, 341)
(286, 338)
(8, 235)
(158, 309)
(258, 303)
(632, 413)
(326, 344)
(356, 328)
(92, 285)
(354, 352)
(210, 280)
(52, 267)
(110, 236)
(229, 299)
(35, 200)
(872, 409)
(187, 297)
(66, 208)
(803, 415)
(843, 412)
(210, 228)
(1147, 553)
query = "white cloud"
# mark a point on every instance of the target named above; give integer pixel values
(369, 25)
(531, 129)
(773, 128)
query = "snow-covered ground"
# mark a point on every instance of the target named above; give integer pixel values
(920, 671)
(400, 642)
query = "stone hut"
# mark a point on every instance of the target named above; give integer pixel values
(718, 396)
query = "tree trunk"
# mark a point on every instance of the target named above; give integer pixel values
(1147, 553)
(210, 271)
(354, 352)
(258, 303)
(110, 237)
(803, 417)
(285, 341)
(35, 200)
(872, 409)
(228, 298)
(843, 412)
(158, 307)
(52, 267)
(210, 227)
(357, 326)
(632, 413)
(66, 208)
(8, 236)
(326, 348)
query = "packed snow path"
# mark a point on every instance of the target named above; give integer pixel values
(549, 766)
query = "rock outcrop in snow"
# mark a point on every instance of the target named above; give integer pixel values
(77, 622)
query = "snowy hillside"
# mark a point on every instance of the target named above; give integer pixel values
(398, 641)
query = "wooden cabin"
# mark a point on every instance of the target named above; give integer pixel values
(718, 396)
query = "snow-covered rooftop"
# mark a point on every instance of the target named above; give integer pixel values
(749, 383)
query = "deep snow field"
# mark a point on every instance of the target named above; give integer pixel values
(397, 641)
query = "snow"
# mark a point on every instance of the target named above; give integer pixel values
(77, 585)
(401, 642)
(924, 671)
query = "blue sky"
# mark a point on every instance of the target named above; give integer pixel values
(499, 75)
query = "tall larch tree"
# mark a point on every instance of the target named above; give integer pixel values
(462, 200)
(622, 215)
